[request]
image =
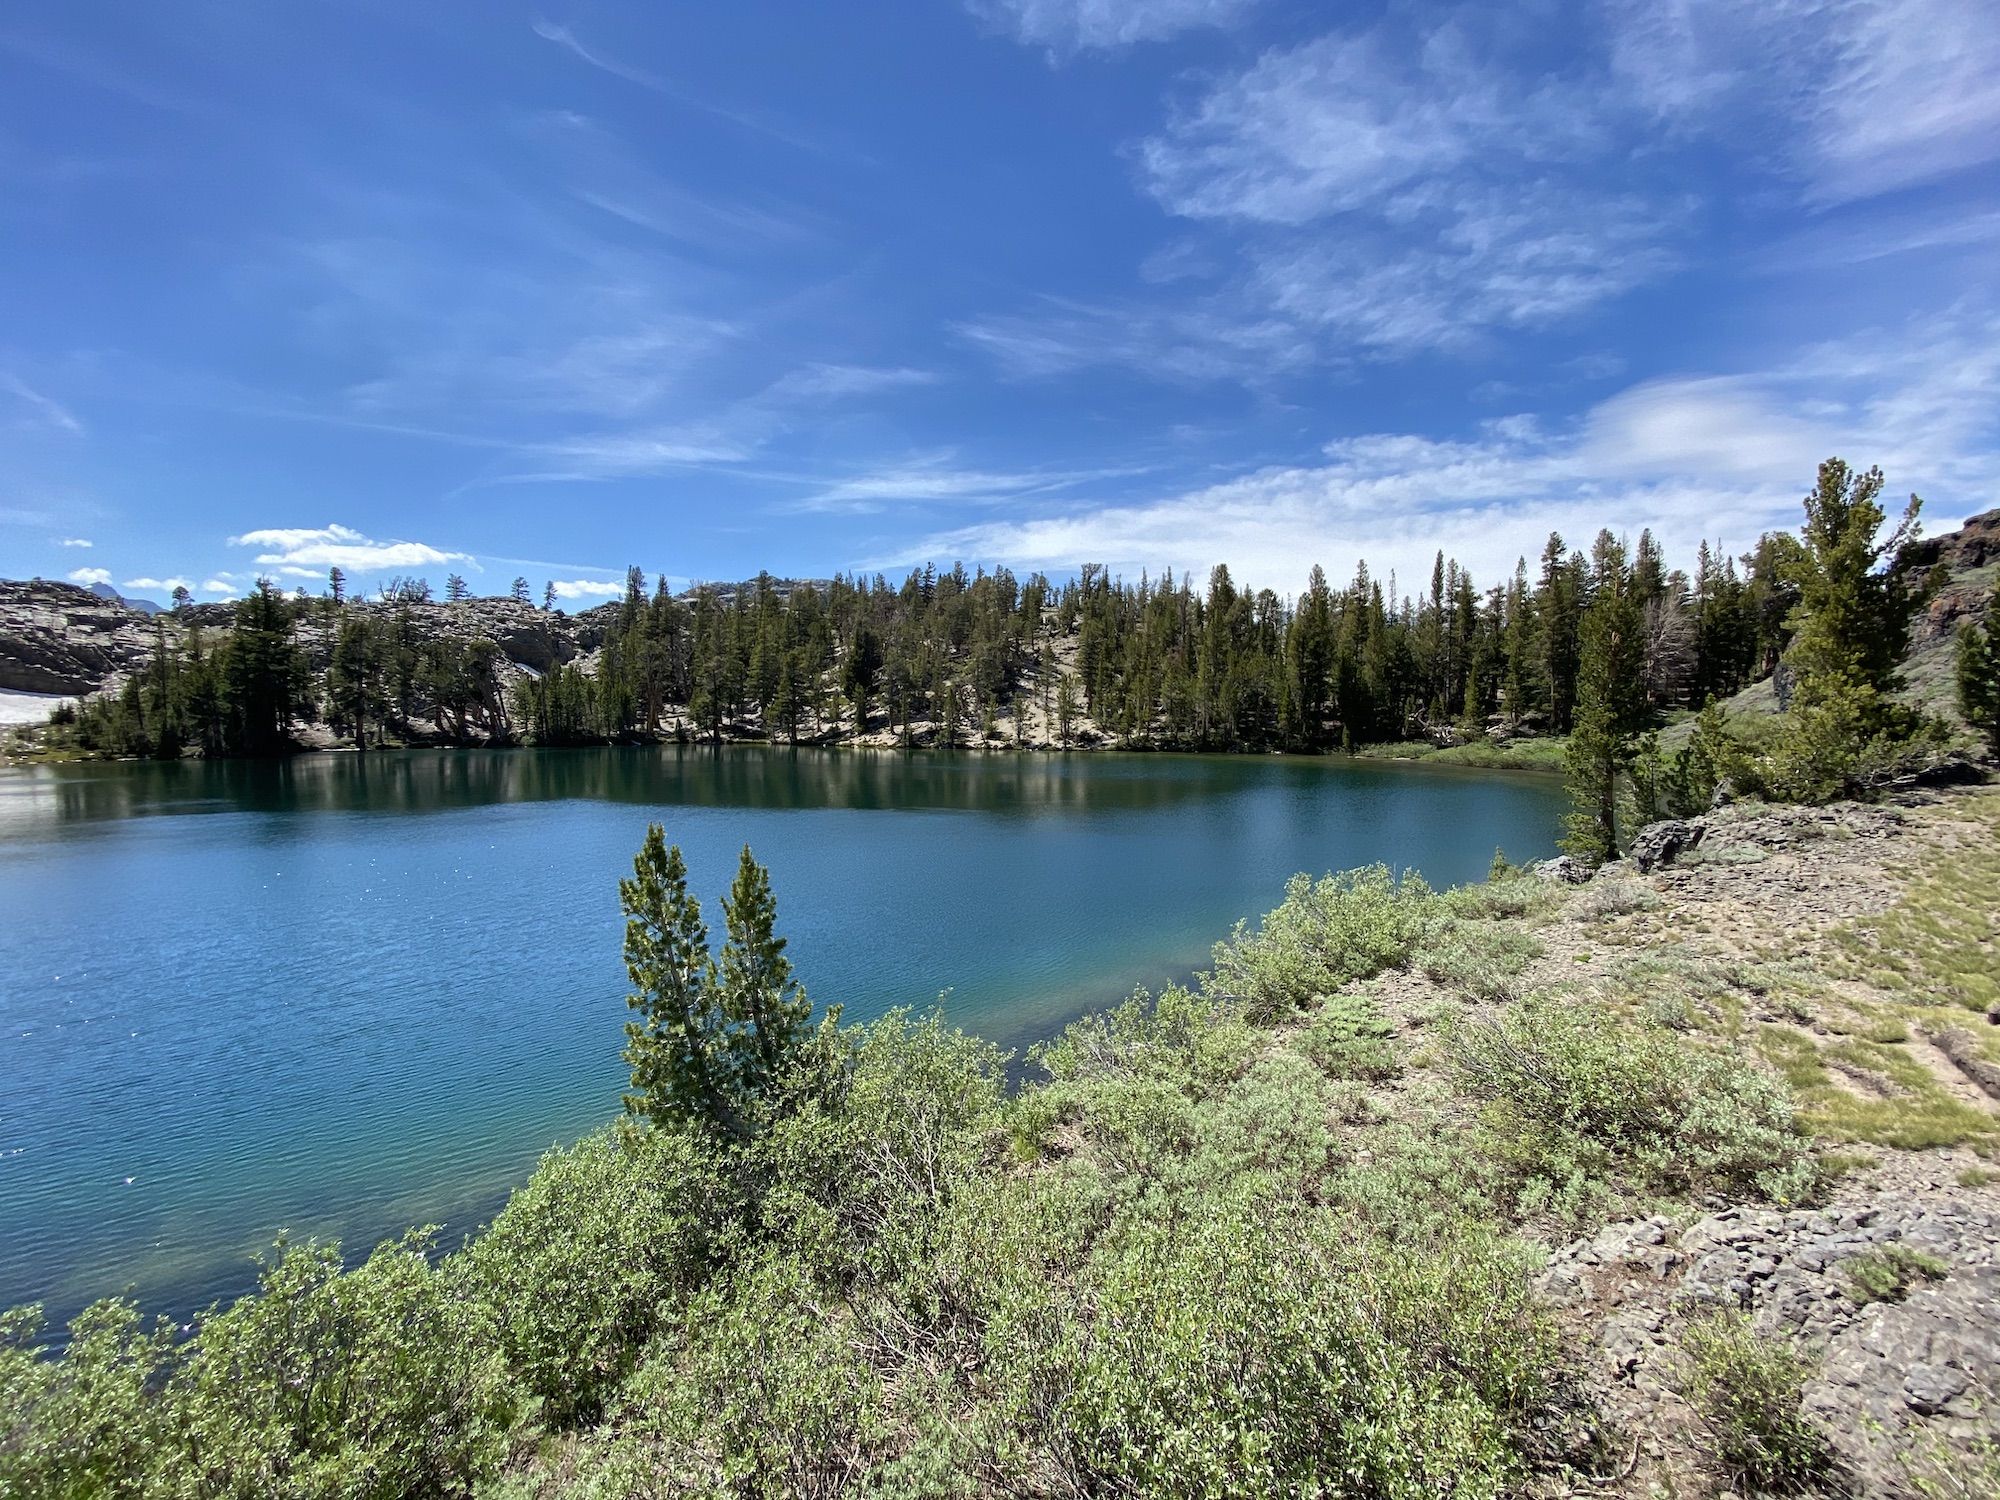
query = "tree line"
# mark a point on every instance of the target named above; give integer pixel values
(1607, 641)
(244, 690)
(953, 657)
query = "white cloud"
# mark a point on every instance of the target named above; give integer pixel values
(1066, 27)
(1342, 123)
(88, 576)
(217, 586)
(1407, 185)
(1405, 192)
(1192, 339)
(563, 37)
(159, 585)
(322, 547)
(1854, 97)
(839, 381)
(1722, 458)
(74, 541)
(587, 588)
(759, 124)
(42, 411)
(933, 479)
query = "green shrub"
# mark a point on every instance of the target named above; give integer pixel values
(1578, 1102)
(1479, 961)
(1504, 893)
(578, 1267)
(1746, 1390)
(851, 1184)
(1195, 1043)
(760, 1392)
(1612, 896)
(1273, 1123)
(1347, 1037)
(1850, 743)
(1886, 1275)
(1258, 1351)
(84, 1425)
(383, 1381)
(1324, 934)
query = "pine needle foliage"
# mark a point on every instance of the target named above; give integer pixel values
(715, 1042)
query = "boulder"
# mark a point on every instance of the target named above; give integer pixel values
(1662, 843)
(1566, 869)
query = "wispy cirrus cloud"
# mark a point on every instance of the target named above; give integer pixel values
(563, 37)
(818, 381)
(1066, 27)
(1198, 337)
(1853, 99)
(1395, 191)
(35, 409)
(753, 121)
(1709, 456)
(935, 479)
(317, 548)
(74, 541)
(1420, 183)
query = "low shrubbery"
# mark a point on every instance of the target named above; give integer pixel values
(385, 1380)
(1482, 962)
(1888, 1274)
(1349, 1038)
(1585, 1107)
(1746, 1390)
(1325, 934)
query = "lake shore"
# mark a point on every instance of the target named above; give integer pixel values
(28, 741)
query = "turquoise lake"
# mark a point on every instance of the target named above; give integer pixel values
(347, 994)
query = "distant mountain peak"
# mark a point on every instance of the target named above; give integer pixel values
(144, 606)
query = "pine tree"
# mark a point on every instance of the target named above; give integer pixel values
(520, 592)
(678, 1050)
(1851, 628)
(336, 585)
(264, 675)
(354, 679)
(1978, 673)
(1067, 708)
(548, 597)
(1852, 620)
(1610, 705)
(764, 1010)
(455, 591)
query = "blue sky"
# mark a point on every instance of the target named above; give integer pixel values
(549, 288)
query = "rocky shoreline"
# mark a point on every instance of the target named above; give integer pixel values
(1795, 923)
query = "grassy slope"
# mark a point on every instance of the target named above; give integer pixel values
(1512, 755)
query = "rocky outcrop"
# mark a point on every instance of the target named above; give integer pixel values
(1964, 1052)
(1661, 843)
(58, 638)
(1895, 1379)
(1973, 545)
(1565, 869)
